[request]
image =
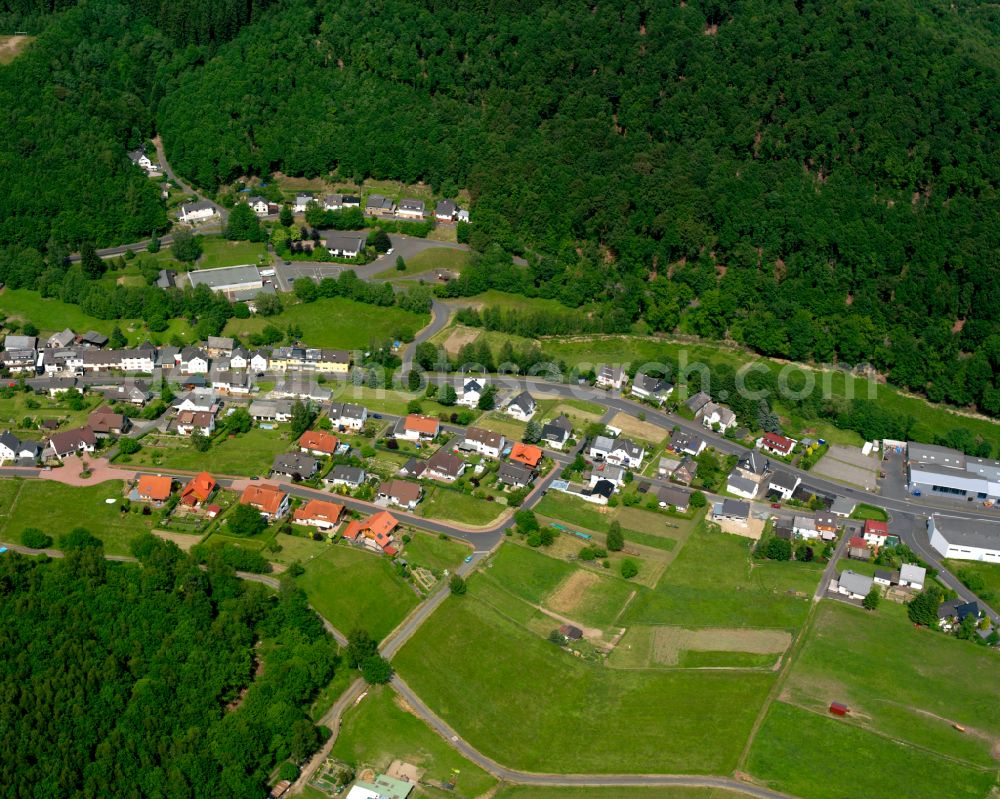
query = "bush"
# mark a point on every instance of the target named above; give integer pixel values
(79, 538)
(457, 585)
(872, 599)
(245, 520)
(234, 557)
(376, 670)
(778, 549)
(35, 539)
(629, 568)
(615, 538)
(128, 446)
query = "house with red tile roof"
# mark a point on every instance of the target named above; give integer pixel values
(318, 442)
(198, 489)
(417, 428)
(776, 444)
(876, 532)
(319, 513)
(153, 488)
(375, 532)
(528, 454)
(270, 500)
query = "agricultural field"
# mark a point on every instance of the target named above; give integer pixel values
(218, 252)
(351, 587)
(453, 505)
(431, 258)
(792, 753)
(380, 730)
(677, 647)
(580, 412)
(634, 428)
(502, 699)
(248, 454)
(56, 509)
(336, 322)
(868, 661)
(500, 422)
(714, 582)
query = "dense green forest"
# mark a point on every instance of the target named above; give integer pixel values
(814, 180)
(154, 680)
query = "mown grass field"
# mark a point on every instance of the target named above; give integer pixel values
(903, 682)
(56, 509)
(435, 553)
(218, 252)
(355, 589)
(431, 258)
(575, 792)
(504, 700)
(336, 322)
(247, 454)
(378, 731)
(815, 756)
(714, 582)
(976, 572)
(453, 505)
(866, 511)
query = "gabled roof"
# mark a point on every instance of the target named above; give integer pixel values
(349, 474)
(856, 583)
(199, 488)
(264, 497)
(68, 440)
(912, 573)
(874, 527)
(485, 437)
(741, 483)
(559, 429)
(401, 491)
(319, 440)
(784, 480)
(319, 510)
(421, 424)
(604, 488)
(524, 401)
(514, 474)
(295, 463)
(445, 463)
(857, 543)
(527, 454)
(778, 442)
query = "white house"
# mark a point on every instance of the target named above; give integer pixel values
(854, 585)
(301, 201)
(912, 575)
(732, 510)
(471, 390)
(485, 442)
(415, 427)
(446, 211)
(194, 361)
(717, 416)
(259, 205)
(611, 377)
(348, 415)
(259, 361)
(410, 208)
(740, 485)
(197, 212)
(189, 422)
(271, 410)
(68, 442)
(522, 407)
(805, 527)
(240, 359)
(619, 451)
(783, 484)
(138, 360)
(965, 539)
(655, 389)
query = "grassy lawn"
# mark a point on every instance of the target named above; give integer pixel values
(13, 410)
(559, 792)
(248, 454)
(444, 503)
(500, 422)
(518, 689)
(435, 553)
(865, 511)
(353, 588)
(337, 322)
(432, 258)
(585, 595)
(903, 682)
(983, 578)
(220, 252)
(378, 731)
(713, 581)
(51, 315)
(56, 509)
(792, 754)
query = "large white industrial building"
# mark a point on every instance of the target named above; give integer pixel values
(965, 539)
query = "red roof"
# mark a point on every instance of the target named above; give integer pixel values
(263, 496)
(318, 441)
(421, 424)
(527, 454)
(319, 510)
(199, 489)
(859, 543)
(778, 442)
(878, 528)
(154, 487)
(378, 527)
(213, 510)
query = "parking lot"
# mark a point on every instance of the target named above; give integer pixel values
(848, 465)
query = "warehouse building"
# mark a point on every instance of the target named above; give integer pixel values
(965, 539)
(933, 470)
(228, 279)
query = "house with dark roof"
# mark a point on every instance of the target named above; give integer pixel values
(557, 432)
(401, 493)
(740, 485)
(731, 510)
(854, 585)
(686, 443)
(783, 484)
(522, 407)
(444, 466)
(70, 442)
(514, 475)
(446, 211)
(294, 465)
(671, 496)
(653, 389)
(484, 442)
(611, 377)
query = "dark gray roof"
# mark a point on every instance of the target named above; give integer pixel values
(734, 507)
(349, 474)
(958, 608)
(856, 583)
(753, 462)
(784, 480)
(295, 463)
(672, 495)
(738, 481)
(981, 533)
(559, 429)
(524, 401)
(514, 474)
(446, 208)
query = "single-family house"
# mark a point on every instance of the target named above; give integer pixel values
(717, 417)
(190, 422)
(200, 211)
(557, 432)
(375, 532)
(294, 466)
(401, 493)
(318, 442)
(19, 361)
(333, 202)
(611, 377)
(599, 493)
(271, 410)
(607, 471)
(17, 342)
(133, 392)
(514, 475)
(805, 527)
(411, 208)
(854, 585)
(648, 387)
(348, 416)
(912, 576)
(671, 496)
(522, 407)
(619, 451)
(470, 391)
(343, 243)
(194, 361)
(342, 475)
(70, 442)
(218, 346)
(259, 361)
(415, 427)
(105, 422)
(446, 211)
(740, 485)
(696, 402)
(884, 577)
(329, 361)
(954, 611)
(783, 484)
(444, 466)
(414, 467)
(485, 442)
(842, 507)
(259, 205)
(318, 513)
(153, 488)
(61, 340)
(18, 450)
(350, 201)
(198, 490)
(527, 454)
(302, 388)
(378, 205)
(240, 358)
(826, 525)
(857, 548)
(666, 465)
(732, 510)
(302, 201)
(686, 443)
(776, 444)
(94, 339)
(686, 471)
(269, 500)
(875, 533)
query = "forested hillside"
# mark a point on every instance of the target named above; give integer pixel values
(122, 680)
(816, 180)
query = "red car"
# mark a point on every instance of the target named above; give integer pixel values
(775, 504)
